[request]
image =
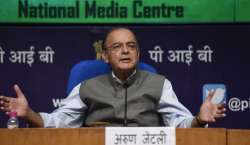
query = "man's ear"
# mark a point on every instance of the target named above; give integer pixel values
(104, 56)
(138, 54)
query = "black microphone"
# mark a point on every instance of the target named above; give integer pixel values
(125, 86)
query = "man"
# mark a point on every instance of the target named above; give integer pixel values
(151, 100)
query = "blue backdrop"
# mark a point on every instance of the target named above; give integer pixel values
(174, 50)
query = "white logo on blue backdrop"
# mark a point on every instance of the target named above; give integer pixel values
(219, 93)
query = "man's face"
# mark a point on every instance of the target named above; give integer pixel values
(122, 50)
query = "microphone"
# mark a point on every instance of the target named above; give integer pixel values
(125, 86)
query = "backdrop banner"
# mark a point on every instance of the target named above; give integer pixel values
(126, 11)
(195, 58)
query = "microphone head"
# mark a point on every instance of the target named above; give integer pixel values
(125, 84)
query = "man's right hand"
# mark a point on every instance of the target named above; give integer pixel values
(18, 104)
(21, 106)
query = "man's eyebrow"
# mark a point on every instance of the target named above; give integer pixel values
(115, 43)
(132, 42)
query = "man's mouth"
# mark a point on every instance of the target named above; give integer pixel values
(125, 60)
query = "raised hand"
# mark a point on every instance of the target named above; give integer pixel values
(210, 112)
(18, 104)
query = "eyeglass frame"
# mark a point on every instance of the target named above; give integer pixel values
(114, 48)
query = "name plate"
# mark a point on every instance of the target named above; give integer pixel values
(140, 136)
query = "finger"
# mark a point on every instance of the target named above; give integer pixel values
(7, 113)
(221, 106)
(5, 104)
(18, 91)
(220, 112)
(5, 109)
(5, 99)
(1, 102)
(210, 95)
(211, 119)
(217, 116)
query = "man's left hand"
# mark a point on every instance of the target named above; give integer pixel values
(210, 112)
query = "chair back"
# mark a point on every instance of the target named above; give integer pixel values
(88, 69)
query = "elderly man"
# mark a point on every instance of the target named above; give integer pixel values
(151, 100)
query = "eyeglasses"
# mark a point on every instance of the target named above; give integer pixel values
(119, 46)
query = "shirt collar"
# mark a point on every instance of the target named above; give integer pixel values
(127, 80)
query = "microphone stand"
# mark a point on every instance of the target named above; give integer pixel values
(125, 86)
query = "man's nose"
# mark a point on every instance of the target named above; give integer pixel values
(125, 49)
